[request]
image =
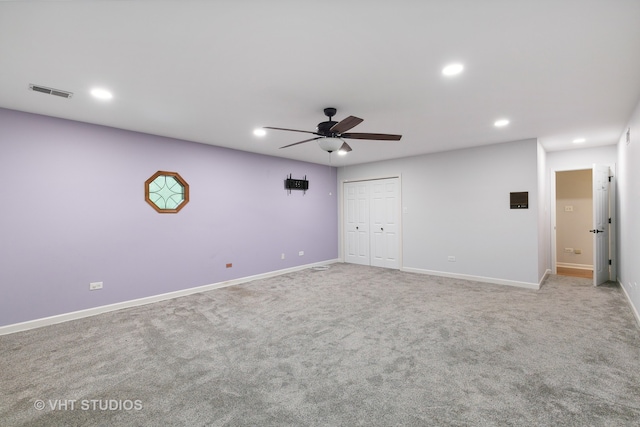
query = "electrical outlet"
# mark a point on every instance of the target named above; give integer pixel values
(451, 258)
(282, 256)
(300, 253)
(568, 208)
(568, 250)
(95, 286)
(577, 251)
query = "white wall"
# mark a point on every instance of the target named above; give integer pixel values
(628, 212)
(581, 158)
(456, 203)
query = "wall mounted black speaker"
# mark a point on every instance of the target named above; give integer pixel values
(519, 200)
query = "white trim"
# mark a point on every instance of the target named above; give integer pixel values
(633, 307)
(372, 179)
(544, 277)
(75, 315)
(613, 271)
(527, 285)
(576, 266)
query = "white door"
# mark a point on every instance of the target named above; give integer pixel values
(356, 218)
(600, 224)
(385, 208)
(371, 222)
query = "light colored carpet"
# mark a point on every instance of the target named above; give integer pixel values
(348, 346)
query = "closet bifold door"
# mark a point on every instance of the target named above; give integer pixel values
(356, 222)
(371, 222)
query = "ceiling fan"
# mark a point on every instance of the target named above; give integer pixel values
(330, 134)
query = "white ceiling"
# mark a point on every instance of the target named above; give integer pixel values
(212, 71)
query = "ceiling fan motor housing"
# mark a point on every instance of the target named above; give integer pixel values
(324, 128)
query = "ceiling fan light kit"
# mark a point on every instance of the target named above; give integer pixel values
(330, 144)
(331, 134)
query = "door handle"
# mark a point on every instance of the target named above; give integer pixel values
(596, 231)
(381, 229)
(357, 228)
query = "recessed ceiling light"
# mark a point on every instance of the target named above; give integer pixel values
(101, 93)
(452, 69)
(501, 123)
(259, 132)
(579, 140)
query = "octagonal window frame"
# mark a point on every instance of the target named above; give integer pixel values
(176, 176)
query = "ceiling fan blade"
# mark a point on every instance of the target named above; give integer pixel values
(346, 124)
(374, 136)
(290, 130)
(345, 147)
(300, 142)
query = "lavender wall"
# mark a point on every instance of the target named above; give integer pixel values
(74, 213)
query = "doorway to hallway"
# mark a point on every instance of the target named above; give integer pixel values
(574, 216)
(583, 234)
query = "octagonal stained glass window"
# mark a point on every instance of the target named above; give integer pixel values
(166, 192)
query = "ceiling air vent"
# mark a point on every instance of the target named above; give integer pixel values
(50, 91)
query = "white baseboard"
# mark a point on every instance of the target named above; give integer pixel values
(634, 309)
(576, 266)
(52, 320)
(527, 285)
(544, 277)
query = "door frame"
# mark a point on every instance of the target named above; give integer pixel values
(612, 213)
(341, 231)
